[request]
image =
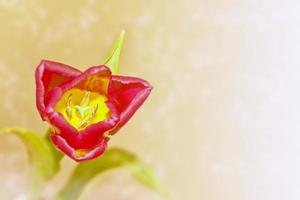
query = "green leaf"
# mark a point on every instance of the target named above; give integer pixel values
(44, 162)
(113, 58)
(145, 175)
(113, 158)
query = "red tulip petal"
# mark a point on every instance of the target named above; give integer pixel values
(79, 154)
(95, 79)
(129, 94)
(48, 75)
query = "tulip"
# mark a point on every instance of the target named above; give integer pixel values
(84, 109)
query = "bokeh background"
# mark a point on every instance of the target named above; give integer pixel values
(223, 120)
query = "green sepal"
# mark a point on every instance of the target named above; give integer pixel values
(113, 57)
(113, 158)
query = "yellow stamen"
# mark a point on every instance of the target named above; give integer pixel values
(83, 124)
(69, 112)
(68, 106)
(85, 99)
(69, 100)
(82, 108)
(94, 111)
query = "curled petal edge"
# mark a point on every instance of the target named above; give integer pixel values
(62, 144)
(140, 90)
(57, 73)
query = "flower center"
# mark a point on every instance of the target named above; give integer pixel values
(82, 108)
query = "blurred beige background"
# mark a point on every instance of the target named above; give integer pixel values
(223, 120)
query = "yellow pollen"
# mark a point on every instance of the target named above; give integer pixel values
(81, 152)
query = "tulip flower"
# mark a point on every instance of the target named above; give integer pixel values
(84, 109)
